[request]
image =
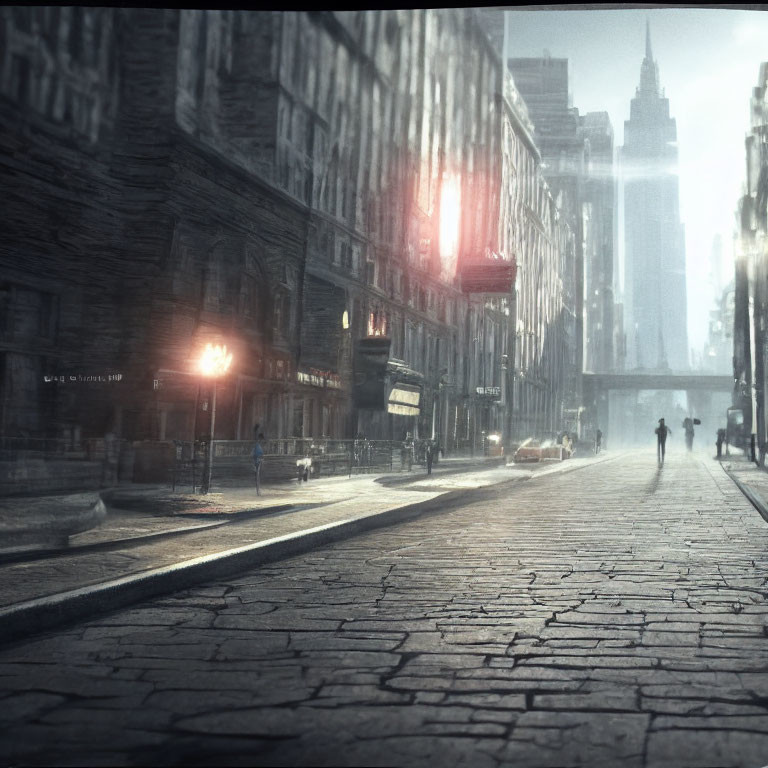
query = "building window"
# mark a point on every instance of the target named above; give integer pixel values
(346, 256)
(377, 324)
(286, 327)
(20, 79)
(277, 315)
(76, 32)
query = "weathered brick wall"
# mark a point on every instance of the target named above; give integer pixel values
(236, 159)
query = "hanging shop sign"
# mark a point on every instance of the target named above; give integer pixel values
(493, 392)
(488, 276)
(315, 377)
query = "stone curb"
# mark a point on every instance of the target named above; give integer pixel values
(755, 499)
(19, 621)
(14, 556)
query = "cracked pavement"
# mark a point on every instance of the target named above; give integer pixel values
(612, 616)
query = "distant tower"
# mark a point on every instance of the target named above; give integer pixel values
(655, 287)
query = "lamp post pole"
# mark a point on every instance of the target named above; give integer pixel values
(214, 363)
(194, 435)
(210, 442)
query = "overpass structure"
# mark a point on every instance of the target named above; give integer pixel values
(603, 382)
(699, 388)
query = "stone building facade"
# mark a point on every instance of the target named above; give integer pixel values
(577, 162)
(599, 225)
(750, 313)
(288, 184)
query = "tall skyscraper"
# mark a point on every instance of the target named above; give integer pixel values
(655, 287)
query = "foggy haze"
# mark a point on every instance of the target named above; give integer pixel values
(708, 59)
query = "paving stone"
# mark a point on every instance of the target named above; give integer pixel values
(190, 702)
(20, 707)
(275, 623)
(73, 684)
(259, 645)
(340, 641)
(706, 748)
(515, 629)
(621, 699)
(348, 694)
(576, 739)
(486, 701)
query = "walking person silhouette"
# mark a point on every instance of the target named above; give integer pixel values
(661, 440)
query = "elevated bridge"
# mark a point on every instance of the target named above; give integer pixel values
(603, 382)
(700, 389)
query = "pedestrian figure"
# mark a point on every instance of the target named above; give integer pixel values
(598, 440)
(406, 452)
(258, 460)
(661, 440)
(303, 467)
(360, 450)
(429, 455)
(719, 443)
(688, 427)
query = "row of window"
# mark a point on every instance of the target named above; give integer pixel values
(58, 85)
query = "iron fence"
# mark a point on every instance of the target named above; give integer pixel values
(183, 463)
(283, 459)
(19, 448)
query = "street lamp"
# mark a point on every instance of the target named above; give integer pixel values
(214, 362)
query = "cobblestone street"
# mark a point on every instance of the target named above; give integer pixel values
(611, 616)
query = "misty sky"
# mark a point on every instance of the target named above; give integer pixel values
(709, 61)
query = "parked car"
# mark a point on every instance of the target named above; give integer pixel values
(535, 450)
(529, 450)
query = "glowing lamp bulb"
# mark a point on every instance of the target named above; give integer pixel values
(215, 361)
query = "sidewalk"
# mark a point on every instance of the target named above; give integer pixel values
(163, 501)
(162, 542)
(751, 478)
(32, 523)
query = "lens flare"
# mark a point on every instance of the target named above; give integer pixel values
(450, 215)
(215, 361)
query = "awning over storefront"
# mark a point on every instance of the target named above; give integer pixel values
(384, 384)
(489, 275)
(407, 386)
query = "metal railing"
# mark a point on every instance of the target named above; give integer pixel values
(19, 448)
(232, 462)
(183, 463)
